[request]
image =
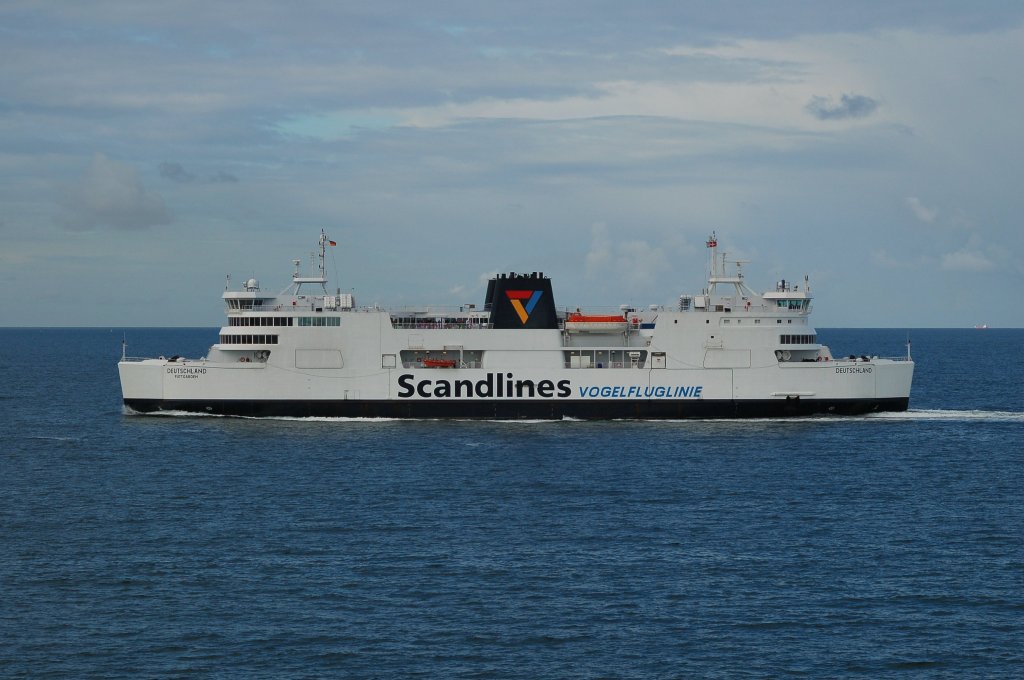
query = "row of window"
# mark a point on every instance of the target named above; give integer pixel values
(319, 321)
(248, 339)
(799, 339)
(284, 321)
(260, 321)
(793, 304)
(740, 321)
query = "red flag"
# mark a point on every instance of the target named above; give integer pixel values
(333, 243)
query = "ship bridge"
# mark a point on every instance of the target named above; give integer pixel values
(729, 292)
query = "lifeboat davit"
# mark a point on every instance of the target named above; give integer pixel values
(592, 323)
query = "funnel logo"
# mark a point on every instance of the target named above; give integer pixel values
(516, 297)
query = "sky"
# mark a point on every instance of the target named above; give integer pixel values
(147, 150)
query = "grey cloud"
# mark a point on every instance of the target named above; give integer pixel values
(400, 28)
(397, 57)
(110, 194)
(920, 210)
(176, 173)
(965, 260)
(849, 106)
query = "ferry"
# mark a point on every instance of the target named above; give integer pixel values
(726, 352)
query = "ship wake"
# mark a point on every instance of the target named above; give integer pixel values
(951, 415)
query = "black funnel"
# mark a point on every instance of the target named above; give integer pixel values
(521, 301)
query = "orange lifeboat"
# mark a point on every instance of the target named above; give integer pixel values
(595, 323)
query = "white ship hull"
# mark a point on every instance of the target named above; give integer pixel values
(733, 357)
(511, 388)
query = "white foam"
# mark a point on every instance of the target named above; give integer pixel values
(172, 414)
(947, 414)
(905, 416)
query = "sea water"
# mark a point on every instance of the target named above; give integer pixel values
(156, 546)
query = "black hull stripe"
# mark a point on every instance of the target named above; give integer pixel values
(525, 408)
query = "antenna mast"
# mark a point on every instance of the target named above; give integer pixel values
(316, 275)
(712, 244)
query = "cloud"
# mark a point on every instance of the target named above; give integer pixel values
(967, 261)
(849, 106)
(600, 254)
(110, 194)
(920, 211)
(882, 258)
(637, 262)
(641, 261)
(176, 173)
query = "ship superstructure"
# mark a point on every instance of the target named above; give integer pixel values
(725, 352)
